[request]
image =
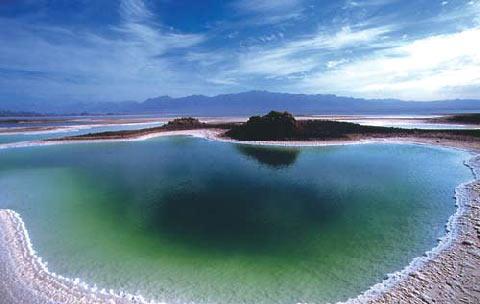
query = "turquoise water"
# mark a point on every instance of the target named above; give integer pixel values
(186, 220)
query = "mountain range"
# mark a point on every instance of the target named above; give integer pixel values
(253, 102)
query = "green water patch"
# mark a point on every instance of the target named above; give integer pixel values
(186, 220)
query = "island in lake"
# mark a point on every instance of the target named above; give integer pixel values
(284, 127)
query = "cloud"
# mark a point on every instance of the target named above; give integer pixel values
(134, 11)
(267, 6)
(264, 12)
(303, 55)
(140, 28)
(129, 62)
(371, 60)
(334, 63)
(420, 69)
(367, 3)
(137, 56)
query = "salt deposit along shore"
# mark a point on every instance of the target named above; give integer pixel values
(449, 273)
(24, 277)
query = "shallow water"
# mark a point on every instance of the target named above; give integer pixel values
(406, 124)
(182, 220)
(73, 131)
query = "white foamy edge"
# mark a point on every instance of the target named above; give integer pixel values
(376, 290)
(91, 290)
(215, 135)
(73, 128)
(446, 241)
(206, 134)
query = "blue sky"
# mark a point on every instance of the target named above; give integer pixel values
(91, 50)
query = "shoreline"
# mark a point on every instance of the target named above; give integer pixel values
(6, 131)
(449, 272)
(25, 276)
(216, 135)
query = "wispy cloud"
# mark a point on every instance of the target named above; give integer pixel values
(129, 61)
(420, 69)
(367, 3)
(374, 59)
(140, 28)
(134, 11)
(270, 12)
(267, 6)
(369, 48)
(305, 54)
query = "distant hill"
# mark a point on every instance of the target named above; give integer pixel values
(15, 113)
(255, 102)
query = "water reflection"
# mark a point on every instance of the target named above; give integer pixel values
(232, 212)
(274, 157)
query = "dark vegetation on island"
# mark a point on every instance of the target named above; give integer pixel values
(470, 118)
(282, 126)
(278, 126)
